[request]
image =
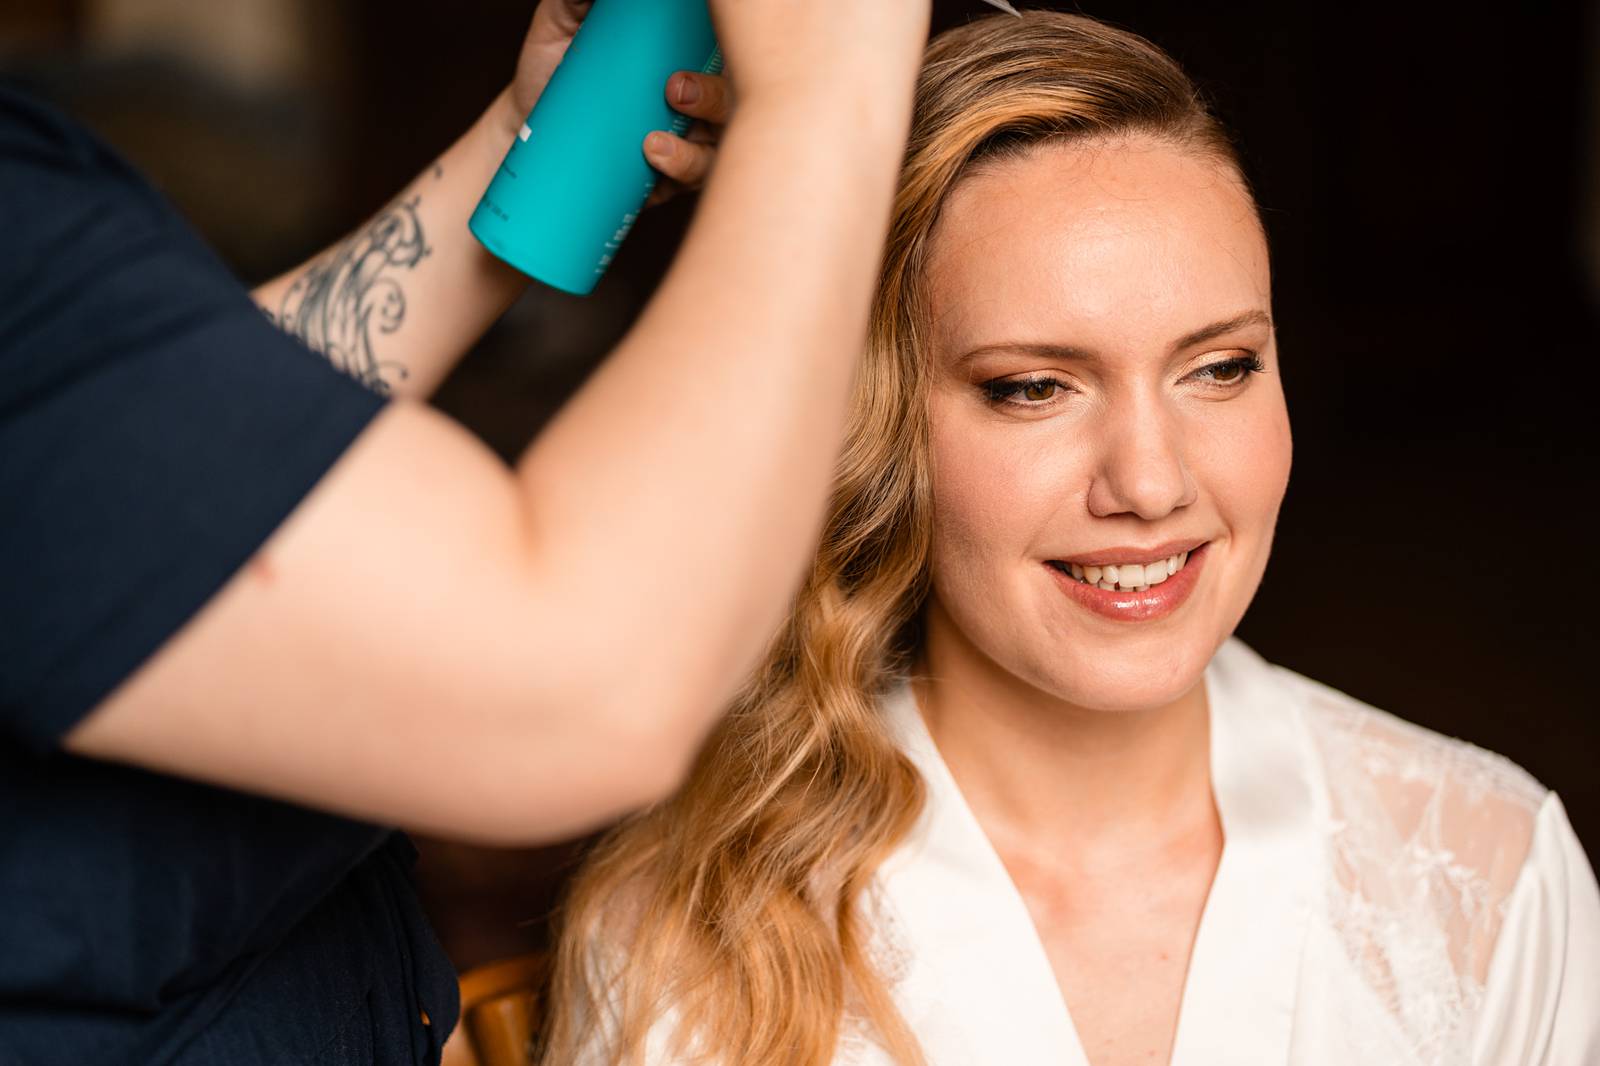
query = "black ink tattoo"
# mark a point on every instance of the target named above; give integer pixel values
(346, 298)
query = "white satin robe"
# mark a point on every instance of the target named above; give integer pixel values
(1386, 897)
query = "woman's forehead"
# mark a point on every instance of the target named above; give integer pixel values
(1127, 237)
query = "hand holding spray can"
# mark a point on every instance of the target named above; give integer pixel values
(576, 178)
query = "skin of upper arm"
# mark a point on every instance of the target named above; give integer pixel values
(388, 654)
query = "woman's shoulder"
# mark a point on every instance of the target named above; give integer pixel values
(1454, 873)
(1364, 744)
(1402, 797)
(1429, 835)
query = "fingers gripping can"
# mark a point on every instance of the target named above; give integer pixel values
(576, 177)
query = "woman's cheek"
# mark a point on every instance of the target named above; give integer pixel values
(995, 490)
(1269, 458)
(959, 502)
(971, 492)
(1243, 460)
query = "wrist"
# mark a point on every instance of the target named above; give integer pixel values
(500, 123)
(855, 117)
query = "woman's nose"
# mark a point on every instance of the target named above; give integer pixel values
(1141, 469)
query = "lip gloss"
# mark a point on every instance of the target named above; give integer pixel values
(1157, 601)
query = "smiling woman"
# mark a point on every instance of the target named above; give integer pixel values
(1104, 398)
(1006, 789)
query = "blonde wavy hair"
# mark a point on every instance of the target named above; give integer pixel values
(734, 907)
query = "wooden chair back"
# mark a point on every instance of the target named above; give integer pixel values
(499, 1013)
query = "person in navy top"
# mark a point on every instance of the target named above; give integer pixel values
(258, 602)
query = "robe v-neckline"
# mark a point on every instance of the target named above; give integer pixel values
(974, 980)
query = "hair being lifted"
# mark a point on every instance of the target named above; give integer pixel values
(738, 904)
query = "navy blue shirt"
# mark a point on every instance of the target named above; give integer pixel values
(154, 430)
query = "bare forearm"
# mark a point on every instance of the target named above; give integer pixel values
(397, 303)
(679, 494)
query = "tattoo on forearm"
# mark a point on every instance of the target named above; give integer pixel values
(344, 300)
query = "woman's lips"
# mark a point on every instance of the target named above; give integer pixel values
(1157, 601)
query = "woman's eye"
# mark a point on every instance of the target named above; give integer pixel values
(1025, 392)
(1231, 372)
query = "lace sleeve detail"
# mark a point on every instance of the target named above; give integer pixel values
(1426, 838)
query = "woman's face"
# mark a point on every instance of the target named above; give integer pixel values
(1105, 405)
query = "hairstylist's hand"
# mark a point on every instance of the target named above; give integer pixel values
(683, 161)
(686, 161)
(555, 22)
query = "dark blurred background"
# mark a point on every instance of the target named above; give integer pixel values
(1430, 175)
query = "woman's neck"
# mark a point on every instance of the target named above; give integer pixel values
(1038, 767)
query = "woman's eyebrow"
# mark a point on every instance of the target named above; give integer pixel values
(1061, 352)
(1068, 352)
(1225, 326)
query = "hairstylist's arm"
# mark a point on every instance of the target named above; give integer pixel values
(398, 302)
(434, 640)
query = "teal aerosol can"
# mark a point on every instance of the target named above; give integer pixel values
(576, 178)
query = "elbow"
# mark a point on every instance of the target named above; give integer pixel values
(624, 759)
(651, 741)
(655, 748)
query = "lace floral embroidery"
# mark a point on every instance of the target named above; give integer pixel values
(1426, 838)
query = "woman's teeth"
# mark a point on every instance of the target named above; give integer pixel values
(1131, 577)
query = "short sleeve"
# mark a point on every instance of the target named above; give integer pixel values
(1542, 997)
(155, 428)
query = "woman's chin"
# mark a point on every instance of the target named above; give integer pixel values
(1124, 686)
